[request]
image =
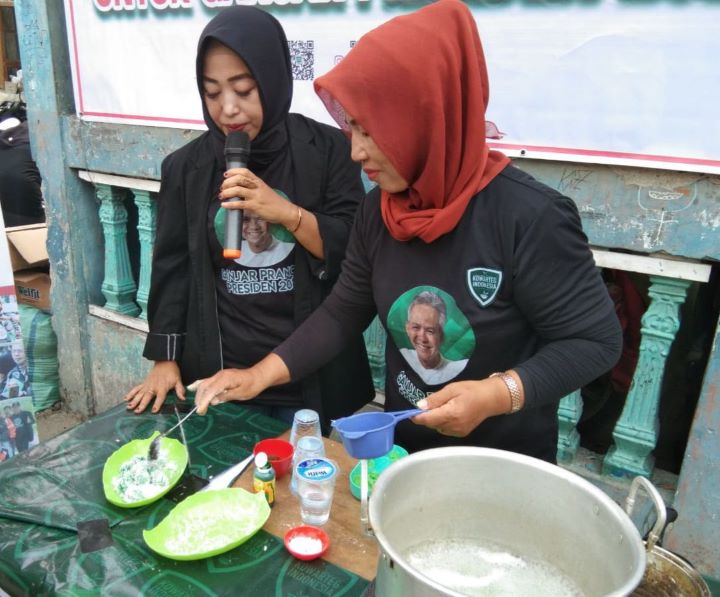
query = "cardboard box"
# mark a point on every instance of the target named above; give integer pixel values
(32, 287)
(28, 246)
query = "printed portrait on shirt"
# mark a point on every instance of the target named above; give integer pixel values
(260, 247)
(263, 244)
(431, 333)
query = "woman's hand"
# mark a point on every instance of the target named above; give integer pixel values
(257, 197)
(260, 200)
(224, 386)
(239, 384)
(460, 407)
(163, 377)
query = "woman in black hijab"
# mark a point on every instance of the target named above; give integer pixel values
(208, 313)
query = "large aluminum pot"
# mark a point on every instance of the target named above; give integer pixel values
(533, 509)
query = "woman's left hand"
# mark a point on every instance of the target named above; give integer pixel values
(460, 407)
(257, 197)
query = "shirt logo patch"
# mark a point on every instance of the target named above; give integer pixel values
(484, 284)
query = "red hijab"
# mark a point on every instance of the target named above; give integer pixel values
(419, 86)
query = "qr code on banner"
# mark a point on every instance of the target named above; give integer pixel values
(302, 59)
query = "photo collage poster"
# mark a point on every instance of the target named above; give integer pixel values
(18, 426)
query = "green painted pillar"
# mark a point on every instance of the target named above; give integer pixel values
(569, 413)
(147, 223)
(118, 285)
(637, 429)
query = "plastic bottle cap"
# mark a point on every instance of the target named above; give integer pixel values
(261, 460)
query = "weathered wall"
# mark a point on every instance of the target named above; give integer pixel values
(69, 204)
(116, 361)
(696, 534)
(125, 150)
(636, 209)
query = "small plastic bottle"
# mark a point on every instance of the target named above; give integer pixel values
(264, 477)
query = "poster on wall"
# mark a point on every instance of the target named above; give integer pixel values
(18, 427)
(607, 81)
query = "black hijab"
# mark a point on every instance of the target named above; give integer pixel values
(258, 38)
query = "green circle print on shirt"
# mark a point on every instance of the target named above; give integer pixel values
(426, 314)
(276, 230)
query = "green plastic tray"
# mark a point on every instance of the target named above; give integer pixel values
(209, 523)
(375, 467)
(176, 452)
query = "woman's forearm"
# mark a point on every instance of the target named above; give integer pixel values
(563, 366)
(304, 227)
(271, 371)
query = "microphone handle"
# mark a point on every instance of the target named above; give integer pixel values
(233, 223)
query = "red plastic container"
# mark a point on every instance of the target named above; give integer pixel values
(279, 452)
(299, 541)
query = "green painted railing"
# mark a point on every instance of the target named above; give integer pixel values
(636, 431)
(118, 285)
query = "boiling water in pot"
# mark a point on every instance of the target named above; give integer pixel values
(473, 567)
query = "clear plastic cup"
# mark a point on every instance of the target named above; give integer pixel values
(305, 422)
(316, 486)
(308, 446)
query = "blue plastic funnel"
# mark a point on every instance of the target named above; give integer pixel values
(372, 434)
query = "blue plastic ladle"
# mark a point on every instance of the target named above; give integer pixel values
(360, 424)
(370, 434)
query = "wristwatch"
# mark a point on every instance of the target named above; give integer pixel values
(513, 388)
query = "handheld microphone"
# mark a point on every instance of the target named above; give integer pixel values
(237, 153)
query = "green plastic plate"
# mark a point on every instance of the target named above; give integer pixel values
(209, 523)
(170, 449)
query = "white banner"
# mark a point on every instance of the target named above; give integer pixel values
(605, 81)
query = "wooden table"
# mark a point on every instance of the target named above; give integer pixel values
(349, 547)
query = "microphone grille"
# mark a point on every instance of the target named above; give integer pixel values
(237, 141)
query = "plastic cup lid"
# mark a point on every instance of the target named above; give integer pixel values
(306, 415)
(310, 443)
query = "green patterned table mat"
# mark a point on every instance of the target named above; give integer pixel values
(47, 491)
(37, 560)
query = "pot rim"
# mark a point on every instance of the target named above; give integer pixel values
(444, 453)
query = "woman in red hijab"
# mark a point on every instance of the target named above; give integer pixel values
(481, 275)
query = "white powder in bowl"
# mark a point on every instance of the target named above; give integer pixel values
(305, 545)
